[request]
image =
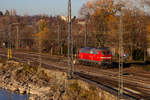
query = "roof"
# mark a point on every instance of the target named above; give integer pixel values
(89, 48)
(92, 50)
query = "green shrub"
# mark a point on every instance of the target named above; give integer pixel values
(74, 86)
(138, 54)
(3, 60)
(29, 69)
(84, 96)
(42, 75)
(147, 68)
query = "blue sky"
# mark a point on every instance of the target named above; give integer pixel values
(33, 7)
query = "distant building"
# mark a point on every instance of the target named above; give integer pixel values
(148, 52)
(1, 13)
(148, 49)
(81, 21)
(65, 18)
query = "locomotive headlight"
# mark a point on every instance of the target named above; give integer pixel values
(74, 62)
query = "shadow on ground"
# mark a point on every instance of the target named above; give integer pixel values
(129, 64)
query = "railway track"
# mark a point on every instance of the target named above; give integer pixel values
(134, 87)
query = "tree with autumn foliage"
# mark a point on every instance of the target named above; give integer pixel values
(41, 35)
(104, 26)
(102, 16)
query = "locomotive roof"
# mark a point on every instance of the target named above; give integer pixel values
(89, 48)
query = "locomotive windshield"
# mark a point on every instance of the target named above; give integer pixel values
(105, 52)
(108, 52)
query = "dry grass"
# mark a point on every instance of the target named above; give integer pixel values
(146, 68)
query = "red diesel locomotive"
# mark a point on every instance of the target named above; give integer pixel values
(101, 56)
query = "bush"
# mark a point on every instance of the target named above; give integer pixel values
(147, 68)
(43, 76)
(30, 69)
(75, 87)
(138, 54)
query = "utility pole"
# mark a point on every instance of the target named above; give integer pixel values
(86, 32)
(9, 38)
(35, 31)
(143, 14)
(40, 59)
(17, 41)
(70, 42)
(58, 34)
(121, 52)
(17, 44)
(17, 35)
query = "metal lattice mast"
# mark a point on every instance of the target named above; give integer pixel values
(120, 92)
(70, 42)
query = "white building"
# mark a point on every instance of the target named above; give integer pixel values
(65, 18)
(148, 52)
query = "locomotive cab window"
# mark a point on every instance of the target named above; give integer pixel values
(81, 51)
(96, 52)
(108, 52)
(103, 53)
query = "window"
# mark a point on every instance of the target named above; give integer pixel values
(95, 52)
(108, 52)
(103, 52)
